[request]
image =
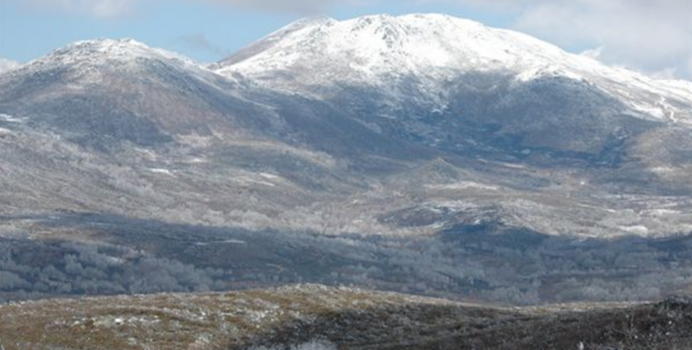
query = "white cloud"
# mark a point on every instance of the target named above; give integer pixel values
(652, 36)
(96, 8)
(295, 6)
(110, 8)
(7, 65)
(647, 35)
(593, 53)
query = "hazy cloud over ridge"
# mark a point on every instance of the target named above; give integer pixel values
(199, 41)
(7, 65)
(653, 36)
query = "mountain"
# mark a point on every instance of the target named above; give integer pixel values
(458, 85)
(102, 91)
(420, 153)
(426, 55)
(134, 123)
(472, 92)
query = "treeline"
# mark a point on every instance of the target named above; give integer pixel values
(485, 261)
(33, 269)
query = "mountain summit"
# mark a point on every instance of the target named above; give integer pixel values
(426, 45)
(423, 54)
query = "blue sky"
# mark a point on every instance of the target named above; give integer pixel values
(652, 36)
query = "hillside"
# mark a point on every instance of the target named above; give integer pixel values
(319, 318)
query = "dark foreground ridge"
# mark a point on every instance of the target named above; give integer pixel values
(320, 318)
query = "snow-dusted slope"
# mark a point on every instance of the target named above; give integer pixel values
(374, 45)
(313, 56)
(107, 49)
(106, 91)
(88, 60)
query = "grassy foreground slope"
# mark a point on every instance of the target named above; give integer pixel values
(315, 317)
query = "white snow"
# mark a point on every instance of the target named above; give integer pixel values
(636, 229)
(126, 50)
(162, 171)
(429, 46)
(87, 60)
(317, 57)
(378, 44)
(380, 51)
(228, 241)
(246, 180)
(463, 185)
(269, 176)
(667, 110)
(10, 119)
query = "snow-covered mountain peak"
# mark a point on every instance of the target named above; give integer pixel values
(392, 45)
(387, 53)
(110, 47)
(88, 61)
(85, 63)
(98, 52)
(316, 56)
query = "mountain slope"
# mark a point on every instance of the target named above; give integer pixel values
(143, 131)
(115, 90)
(466, 89)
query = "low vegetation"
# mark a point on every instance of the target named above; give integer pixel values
(313, 317)
(485, 262)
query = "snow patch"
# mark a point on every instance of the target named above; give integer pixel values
(269, 176)
(463, 186)
(250, 180)
(197, 160)
(547, 72)
(161, 171)
(228, 241)
(10, 119)
(663, 170)
(636, 229)
(663, 212)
